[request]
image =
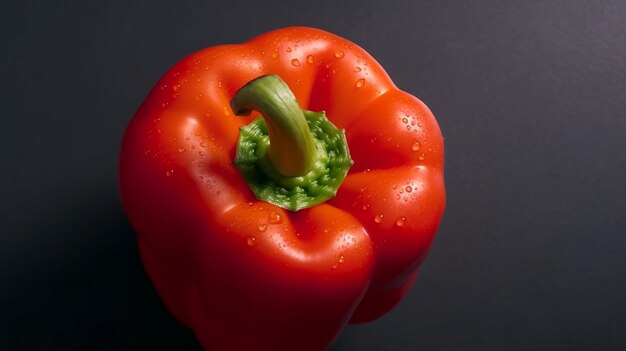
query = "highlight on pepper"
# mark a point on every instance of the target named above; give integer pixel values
(281, 189)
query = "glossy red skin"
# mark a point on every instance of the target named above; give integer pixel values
(216, 257)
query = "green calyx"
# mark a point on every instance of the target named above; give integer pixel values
(316, 159)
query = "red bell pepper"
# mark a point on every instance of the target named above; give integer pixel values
(252, 229)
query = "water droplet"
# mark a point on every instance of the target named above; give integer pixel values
(335, 266)
(341, 259)
(360, 83)
(169, 173)
(274, 54)
(295, 62)
(378, 218)
(405, 120)
(309, 59)
(339, 54)
(400, 221)
(263, 227)
(421, 157)
(366, 206)
(357, 69)
(275, 218)
(219, 84)
(288, 49)
(226, 111)
(408, 189)
(415, 146)
(251, 241)
(181, 150)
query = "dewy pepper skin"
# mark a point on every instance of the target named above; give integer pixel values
(274, 230)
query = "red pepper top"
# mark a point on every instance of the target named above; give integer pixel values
(247, 274)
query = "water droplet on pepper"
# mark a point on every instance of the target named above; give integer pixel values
(415, 146)
(400, 221)
(378, 218)
(275, 218)
(251, 241)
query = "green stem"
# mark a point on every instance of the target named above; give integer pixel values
(292, 150)
(289, 157)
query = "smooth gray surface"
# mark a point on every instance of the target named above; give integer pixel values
(531, 98)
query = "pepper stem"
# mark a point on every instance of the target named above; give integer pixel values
(292, 150)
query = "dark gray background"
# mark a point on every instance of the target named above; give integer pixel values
(531, 98)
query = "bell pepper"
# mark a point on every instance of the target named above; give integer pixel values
(273, 231)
